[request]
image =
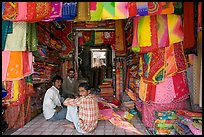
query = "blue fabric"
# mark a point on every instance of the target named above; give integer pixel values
(59, 115)
(69, 11)
(3, 3)
(3, 93)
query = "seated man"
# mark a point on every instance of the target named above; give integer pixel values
(52, 103)
(87, 118)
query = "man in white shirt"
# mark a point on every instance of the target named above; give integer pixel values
(52, 103)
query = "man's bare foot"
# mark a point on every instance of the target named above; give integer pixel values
(69, 125)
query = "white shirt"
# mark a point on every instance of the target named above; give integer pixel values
(52, 99)
(70, 79)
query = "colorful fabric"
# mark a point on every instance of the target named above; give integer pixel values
(10, 11)
(96, 11)
(142, 8)
(22, 11)
(132, 9)
(69, 11)
(98, 38)
(108, 11)
(31, 37)
(175, 28)
(7, 28)
(162, 32)
(56, 11)
(5, 63)
(88, 111)
(109, 37)
(178, 7)
(167, 8)
(154, 8)
(188, 24)
(135, 42)
(83, 11)
(121, 10)
(17, 40)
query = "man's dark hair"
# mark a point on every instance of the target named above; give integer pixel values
(57, 77)
(71, 69)
(85, 86)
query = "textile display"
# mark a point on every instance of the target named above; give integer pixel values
(132, 9)
(7, 28)
(148, 110)
(10, 11)
(69, 11)
(83, 11)
(16, 41)
(108, 37)
(96, 10)
(154, 8)
(56, 11)
(22, 11)
(167, 8)
(108, 11)
(178, 7)
(31, 37)
(98, 38)
(142, 8)
(5, 63)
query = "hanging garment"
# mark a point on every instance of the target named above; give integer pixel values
(10, 11)
(132, 9)
(5, 63)
(108, 11)
(154, 8)
(96, 11)
(17, 40)
(142, 8)
(167, 8)
(175, 28)
(31, 37)
(83, 11)
(7, 28)
(69, 11)
(188, 24)
(22, 12)
(121, 10)
(56, 11)
(135, 42)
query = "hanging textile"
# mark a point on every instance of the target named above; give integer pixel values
(188, 24)
(2, 6)
(83, 11)
(96, 11)
(5, 63)
(56, 11)
(175, 28)
(22, 11)
(167, 8)
(10, 11)
(142, 8)
(108, 11)
(16, 41)
(121, 10)
(88, 38)
(69, 11)
(7, 28)
(132, 9)
(154, 8)
(31, 37)
(178, 7)
(98, 38)
(135, 42)
(109, 37)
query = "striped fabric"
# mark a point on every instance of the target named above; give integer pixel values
(88, 111)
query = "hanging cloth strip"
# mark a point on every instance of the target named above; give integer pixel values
(17, 40)
(121, 10)
(108, 11)
(132, 9)
(7, 28)
(142, 8)
(31, 37)
(22, 12)
(10, 11)
(83, 11)
(96, 11)
(178, 7)
(5, 63)
(167, 8)
(154, 8)
(3, 4)
(56, 11)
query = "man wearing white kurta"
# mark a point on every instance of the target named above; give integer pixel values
(52, 107)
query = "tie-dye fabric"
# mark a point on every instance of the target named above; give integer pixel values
(154, 8)
(167, 8)
(97, 13)
(175, 28)
(108, 11)
(142, 8)
(121, 10)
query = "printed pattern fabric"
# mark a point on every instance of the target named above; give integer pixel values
(154, 8)
(10, 11)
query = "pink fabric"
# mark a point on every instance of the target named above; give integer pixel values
(22, 11)
(92, 5)
(194, 130)
(25, 63)
(5, 62)
(148, 110)
(165, 91)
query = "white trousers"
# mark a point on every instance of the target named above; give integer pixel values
(72, 115)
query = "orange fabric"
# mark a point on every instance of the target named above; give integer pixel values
(167, 8)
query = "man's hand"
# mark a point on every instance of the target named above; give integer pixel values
(58, 108)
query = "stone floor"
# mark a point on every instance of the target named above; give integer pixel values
(39, 126)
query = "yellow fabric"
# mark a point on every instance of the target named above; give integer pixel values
(98, 37)
(15, 90)
(142, 90)
(145, 33)
(83, 11)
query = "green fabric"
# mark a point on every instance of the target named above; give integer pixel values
(31, 37)
(7, 28)
(178, 8)
(96, 14)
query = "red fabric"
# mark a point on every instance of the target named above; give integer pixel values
(102, 106)
(109, 37)
(188, 23)
(132, 9)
